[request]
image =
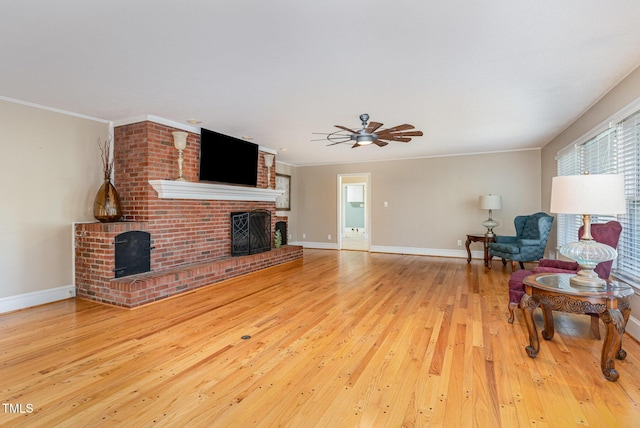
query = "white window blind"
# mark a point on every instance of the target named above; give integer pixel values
(568, 224)
(628, 263)
(615, 150)
(595, 156)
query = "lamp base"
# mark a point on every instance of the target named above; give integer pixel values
(588, 253)
(490, 224)
(587, 278)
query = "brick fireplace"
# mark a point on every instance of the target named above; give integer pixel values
(190, 235)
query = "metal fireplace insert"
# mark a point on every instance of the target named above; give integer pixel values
(250, 232)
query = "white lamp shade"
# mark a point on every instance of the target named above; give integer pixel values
(180, 139)
(490, 202)
(268, 161)
(588, 194)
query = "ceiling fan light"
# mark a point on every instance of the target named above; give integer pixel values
(363, 140)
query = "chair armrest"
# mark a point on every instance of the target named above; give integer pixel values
(506, 239)
(529, 242)
(559, 264)
(543, 269)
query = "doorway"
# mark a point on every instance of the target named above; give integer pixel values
(354, 220)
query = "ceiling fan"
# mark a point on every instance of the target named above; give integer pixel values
(370, 134)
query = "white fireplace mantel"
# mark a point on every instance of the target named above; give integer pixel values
(169, 189)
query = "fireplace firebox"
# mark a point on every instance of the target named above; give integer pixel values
(132, 253)
(250, 232)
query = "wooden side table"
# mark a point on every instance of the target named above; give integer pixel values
(554, 292)
(477, 237)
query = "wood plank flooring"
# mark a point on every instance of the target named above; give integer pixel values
(347, 339)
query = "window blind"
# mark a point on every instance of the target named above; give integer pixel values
(567, 224)
(628, 263)
(615, 150)
(595, 156)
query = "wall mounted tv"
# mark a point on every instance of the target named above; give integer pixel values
(226, 159)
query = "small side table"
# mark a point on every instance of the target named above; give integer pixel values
(477, 237)
(554, 292)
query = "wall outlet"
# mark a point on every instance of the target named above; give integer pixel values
(304, 235)
(329, 237)
(459, 243)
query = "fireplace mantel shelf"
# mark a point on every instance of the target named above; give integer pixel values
(169, 189)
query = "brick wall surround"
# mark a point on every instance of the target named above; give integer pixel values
(191, 238)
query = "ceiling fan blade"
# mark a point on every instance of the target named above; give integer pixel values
(399, 139)
(355, 145)
(411, 134)
(388, 135)
(380, 143)
(372, 127)
(333, 144)
(404, 127)
(344, 128)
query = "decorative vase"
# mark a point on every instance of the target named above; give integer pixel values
(106, 206)
(277, 240)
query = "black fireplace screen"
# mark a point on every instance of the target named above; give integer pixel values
(133, 253)
(250, 232)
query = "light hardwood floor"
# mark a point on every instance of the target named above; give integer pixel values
(347, 339)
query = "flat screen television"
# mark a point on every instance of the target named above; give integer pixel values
(225, 159)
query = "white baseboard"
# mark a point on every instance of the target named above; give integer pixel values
(27, 300)
(425, 251)
(633, 328)
(319, 245)
(397, 250)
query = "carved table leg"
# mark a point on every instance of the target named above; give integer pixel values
(528, 305)
(466, 244)
(621, 354)
(549, 329)
(614, 323)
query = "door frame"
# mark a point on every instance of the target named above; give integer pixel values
(366, 181)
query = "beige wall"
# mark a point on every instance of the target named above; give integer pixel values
(432, 202)
(50, 172)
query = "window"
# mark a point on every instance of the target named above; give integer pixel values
(614, 150)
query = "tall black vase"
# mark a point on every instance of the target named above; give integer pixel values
(106, 206)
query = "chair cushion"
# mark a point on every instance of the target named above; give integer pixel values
(607, 233)
(559, 264)
(544, 269)
(516, 285)
(530, 229)
(505, 248)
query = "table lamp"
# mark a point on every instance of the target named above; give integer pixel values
(180, 143)
(268, 162)
(588, 194)
(490, 202)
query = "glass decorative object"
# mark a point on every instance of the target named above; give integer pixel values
(106, 206)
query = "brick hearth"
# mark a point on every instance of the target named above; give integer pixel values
(191, 239)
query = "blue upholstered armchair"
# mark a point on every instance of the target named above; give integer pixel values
(532, 232)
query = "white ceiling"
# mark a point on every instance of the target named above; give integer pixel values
(474, 76)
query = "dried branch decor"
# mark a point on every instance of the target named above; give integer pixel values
(107, 160)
